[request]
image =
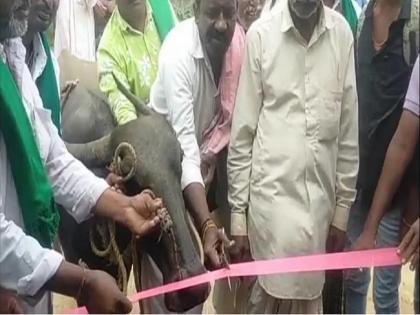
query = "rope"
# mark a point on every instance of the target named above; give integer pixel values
(107, 231)
(111, 252)
(108, 236)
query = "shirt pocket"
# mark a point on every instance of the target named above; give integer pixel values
(42, 118)
(329, 113)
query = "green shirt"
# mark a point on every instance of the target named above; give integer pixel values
(133, 57)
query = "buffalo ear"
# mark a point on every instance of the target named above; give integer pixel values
(125, 161)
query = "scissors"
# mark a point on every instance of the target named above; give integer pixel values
(224, 256)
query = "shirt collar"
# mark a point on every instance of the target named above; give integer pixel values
(325, 20)
(405, 13)
(197, 49)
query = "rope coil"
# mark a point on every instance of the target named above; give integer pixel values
(106, 230)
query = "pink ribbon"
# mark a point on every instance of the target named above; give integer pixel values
(348, 260)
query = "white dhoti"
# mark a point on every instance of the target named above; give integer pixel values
(260, 302)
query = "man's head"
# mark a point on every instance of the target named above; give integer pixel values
(131, 10)
(216, 21)
(13, 18)
(304, 9)
(42, 14)
(249, 11)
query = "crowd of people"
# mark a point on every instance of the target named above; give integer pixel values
(298, 122)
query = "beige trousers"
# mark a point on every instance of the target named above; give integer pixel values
(233, 299)
(255, 300)
(262, 303)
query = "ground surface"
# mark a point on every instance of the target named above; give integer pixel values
(61, 304)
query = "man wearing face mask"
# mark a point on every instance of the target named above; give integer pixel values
(293, 155)
(199, 67)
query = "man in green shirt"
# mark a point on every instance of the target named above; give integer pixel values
(129, 48)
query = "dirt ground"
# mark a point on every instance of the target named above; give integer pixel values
(62, 304)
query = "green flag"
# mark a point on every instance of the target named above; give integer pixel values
(164, 16)
(350, 14)
(48, 86)
(34, 191)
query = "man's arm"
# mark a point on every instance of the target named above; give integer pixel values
(122, 109)
(248, 105)
(26, 268)
(398, 157)
(176, 84)
(399, 154)
(348, 147)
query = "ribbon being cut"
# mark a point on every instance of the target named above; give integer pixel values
(348, 260)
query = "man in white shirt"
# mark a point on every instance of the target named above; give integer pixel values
(41, 61)
(25, 126)
(293, 155)
(187, 92)
(75, 28)
(19, 272)
(195, 88)
(41, 15)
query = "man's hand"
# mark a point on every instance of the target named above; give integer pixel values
(101, 9)
(409, 247)
(336, 240)
(208, 168)
(215, 242)
(366, 240)
(142, 215)
(9, 302)
(100, 294)
(240, 251)
(110, 5)
(115, 182)
(139, 213)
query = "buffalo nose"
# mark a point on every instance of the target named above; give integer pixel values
(186, 299)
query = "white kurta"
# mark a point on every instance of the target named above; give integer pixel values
(75, 188)
(75, 29)
(293, 158)
(185, 92)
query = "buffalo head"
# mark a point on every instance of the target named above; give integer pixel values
(147, 152)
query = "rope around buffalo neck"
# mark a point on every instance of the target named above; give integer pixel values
(106, 231)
